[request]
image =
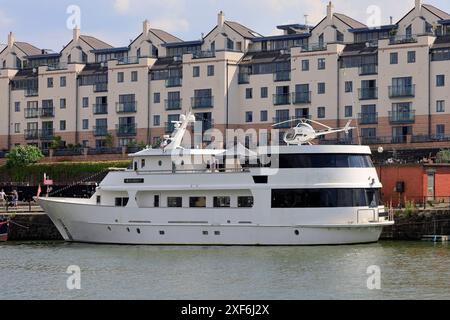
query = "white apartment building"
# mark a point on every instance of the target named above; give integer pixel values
(391, 80)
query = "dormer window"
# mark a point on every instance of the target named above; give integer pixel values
(142, 163)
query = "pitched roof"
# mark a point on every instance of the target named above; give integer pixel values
(165, 36)
(95, 43)
(436, 11)
(352, 23)
(27, 48)
(242, 30)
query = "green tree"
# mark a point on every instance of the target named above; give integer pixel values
(56, 142)
(109, 141)
(22, 156)
(443, 156)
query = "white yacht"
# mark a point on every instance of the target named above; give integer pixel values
(299, 194)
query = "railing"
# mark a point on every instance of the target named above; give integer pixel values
(314, 47)
(202, 102)
(57, 66)
(31, 92)
(31, 113)
(169, 127)
(368, 93)
(243, 78)
(301, 97)
(375, 140)
(100, 87)
(288, 122)
(368, 69)
(100, 108)
(368, 118)
(281, 99)
(173, 104)
(402, 91)
(100, 131)
(128, 60)
(47, 112)
(203, 54)
(174, 82)
(126, 130)
(32, 134)
(126, 107)
(401, 117)
(402, 39)
(430, 138)
(46, 134)
(282, 76)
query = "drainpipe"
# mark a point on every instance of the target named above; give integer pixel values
(77, 138)
(9, 115)
(149, 130)
(429, 93)
(338, 98)
(227, 102)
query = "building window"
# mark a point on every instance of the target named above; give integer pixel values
(156, 97)
(348, 111)
(394, 58)
(440, 106)
(230, 44)
(263, 116)
(85, 124)
(62, 125)
(156, 120)
(210, 71)
(120, 77)
(86, 102)
(264, 92)
(440, 80)
(321, 88)
(62, 81)
(248, 93)
(348, 86)
(49, 82)
(321, 64)
(305, 65)
(197, 202)
(321, 112)
(16, 127)
(134, 76)
(222, 202)
(196, 72)
(62, 103)
(17, 106)
(174, 202)
(411, 56)
(440, 130)
(249, 116)
(245, 202)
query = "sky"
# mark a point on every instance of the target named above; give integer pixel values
(47, 23)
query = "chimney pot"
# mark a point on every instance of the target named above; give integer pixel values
(221, 19)
(11, 40)
(146, 28)
(76, 33)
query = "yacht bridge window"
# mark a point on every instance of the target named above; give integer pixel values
(291, 161)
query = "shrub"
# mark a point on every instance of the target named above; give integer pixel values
(22, 156)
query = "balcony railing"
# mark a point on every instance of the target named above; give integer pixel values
(100, 108)
(100, 131)
(287, 123)
(126, 107)
(128, 60)
(402, 39)
(57, 66)
(31, 92)
(101, 87)
(402, 117)
(368, 118)
(301, 97)
(206, 124)
(32, 134)
(368, 69)
(282, 76)
(173, 104)
(47, 112)
(402, 91)
(174, 82)
(169, 127)
(46, 134)
(368, 93)
(281, 99)
(314, 47)
(243, 78)
(203, 54)
(31, 113)
(126, 130)
(202, 102)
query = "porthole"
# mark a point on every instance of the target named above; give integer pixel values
(205, 233)
(128, 229)
(217, 233)
(162, 233)
(297, 233)
(228, 221)
(138, 231)
(160, 163)
(109, 228)
(182, 163)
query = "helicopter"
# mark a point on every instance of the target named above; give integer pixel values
(304, 132)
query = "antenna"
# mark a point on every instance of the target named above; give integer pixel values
(391, 19)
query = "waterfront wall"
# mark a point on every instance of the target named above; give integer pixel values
(33, 227)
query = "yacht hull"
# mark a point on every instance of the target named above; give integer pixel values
(79, 222)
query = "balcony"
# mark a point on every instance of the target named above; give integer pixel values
(126, 130)
(31, 113)
(101, 87)
(368, 118)
(31, 92)
(46, 134)
(169, 127)
(128, 60)
(174, 82)
(243, 78)
(368, 93)
(47, 112)
(57, 66)
(100, 131)
(402, 39)
(281, 99)
(203, 54)
(282, 76)
(173, 104)
(100, 109)
(301, 97)
(402, 117)
(126, 107)
(402, 91)
(368, 69)
(286, 124)
(202, 102)
(32, 134)
(314, 47)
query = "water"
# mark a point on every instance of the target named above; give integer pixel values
(409, 270)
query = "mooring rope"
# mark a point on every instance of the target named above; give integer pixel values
(79, 182)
